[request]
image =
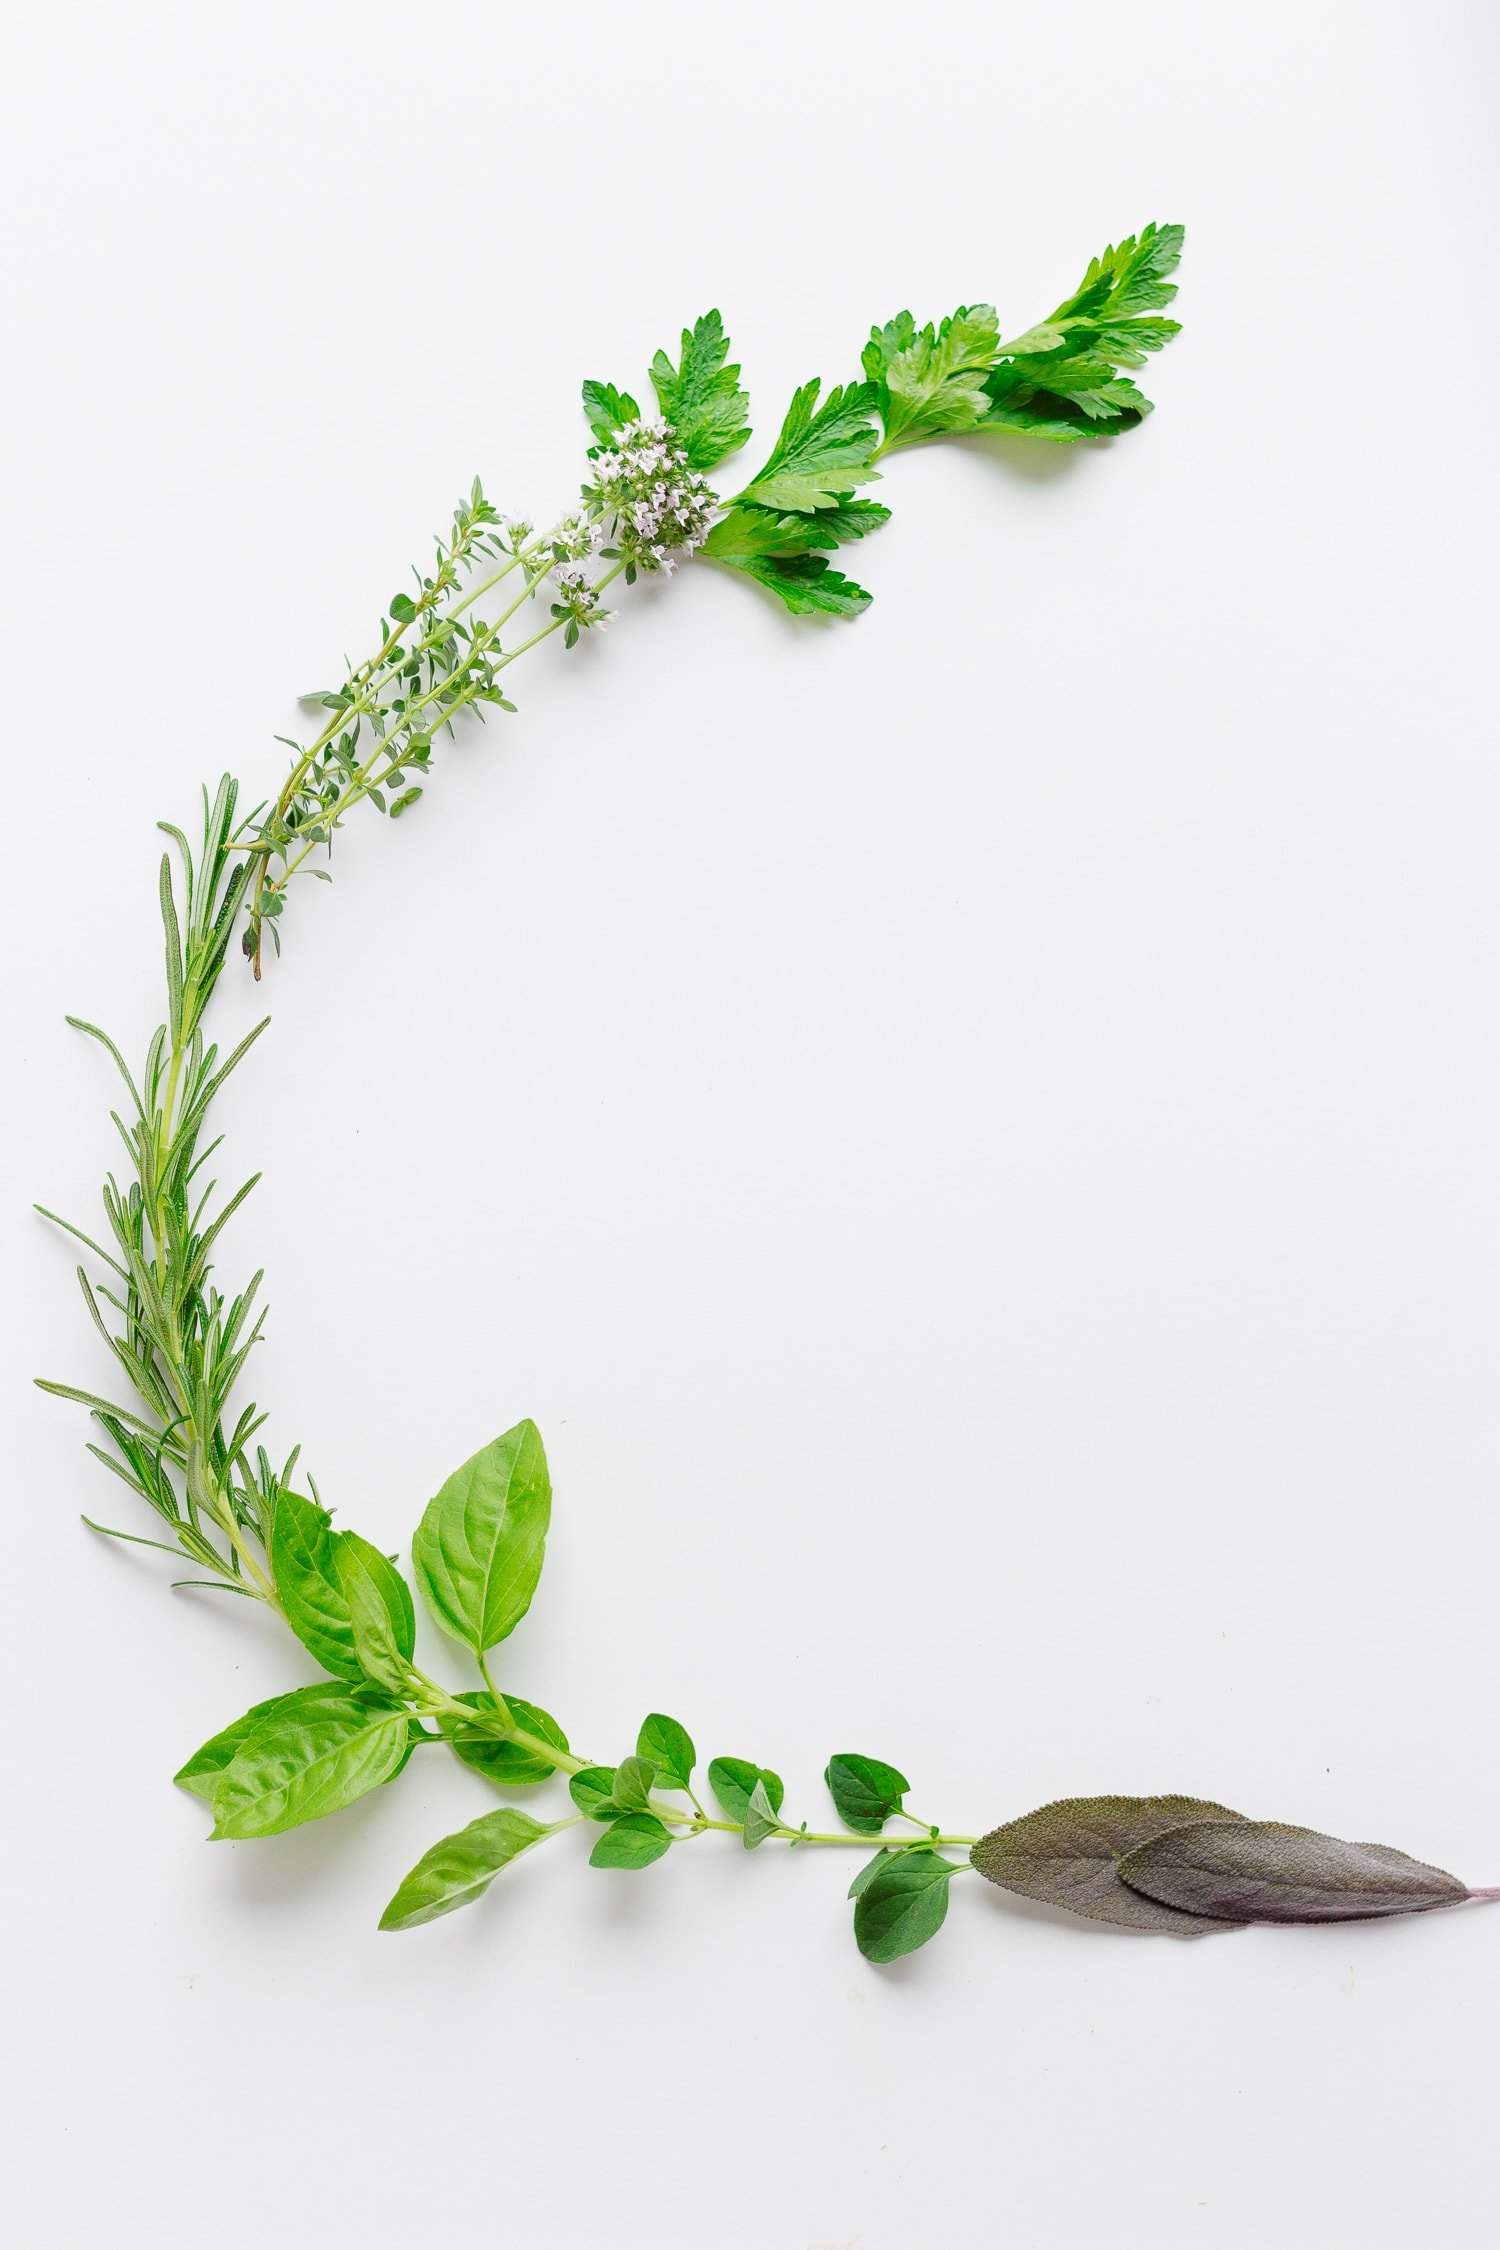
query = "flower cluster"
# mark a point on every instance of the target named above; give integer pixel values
(656, 502)
(578, 601)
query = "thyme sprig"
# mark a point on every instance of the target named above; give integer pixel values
(194, 1455)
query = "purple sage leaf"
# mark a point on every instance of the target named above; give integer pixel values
(1263, 1871)
(1068, 1854)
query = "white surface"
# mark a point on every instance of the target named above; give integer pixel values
(974, 1134)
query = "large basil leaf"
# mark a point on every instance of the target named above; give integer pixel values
(378, 1603)
(478, 1549)
(318, 1572)
(298, 1764)
(508, 1763)
(461, 1868)
(207, 1766)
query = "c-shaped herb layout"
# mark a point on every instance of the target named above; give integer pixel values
(1180, 1864)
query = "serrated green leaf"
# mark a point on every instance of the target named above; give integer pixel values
(461, 1868)
(805, 583)
(509, 1764)
(733, 1782)
(299, 1765)
(865, 1791)
(1060, 379)
(746, 531)
(669, 1747)
(634, 1840)
(1070, 1853)
(479, 1547)
(930, 381)
(903, 1904)
(701, 397)
(759, 1818)
(608, 409)
(592, 1789)
(1264, 1871)
(823, 452)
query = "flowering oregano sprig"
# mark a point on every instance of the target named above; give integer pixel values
(187, 1447)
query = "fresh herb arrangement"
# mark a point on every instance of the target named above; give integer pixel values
(498, 588)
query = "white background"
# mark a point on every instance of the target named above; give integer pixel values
(973, 1133)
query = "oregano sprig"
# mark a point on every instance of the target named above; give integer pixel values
(185, 1443)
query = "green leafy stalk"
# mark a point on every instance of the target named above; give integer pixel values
(179, 1346)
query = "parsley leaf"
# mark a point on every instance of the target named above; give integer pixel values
(748, 530)
(806, 583)
(780, 551)
(822, 452)
(931, 380)
(1061, 379)
(702, 398)
(608, 409)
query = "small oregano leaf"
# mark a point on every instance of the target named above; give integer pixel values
(634, 1840)
(634, 1778)
(670, 1748)
(733, 1780)
(508, 1763)
(868, 1873)
(479, 1547)
(461, 1868)
(1068, 1854)
(760, 1818)
(296, 1765)
(591, 1790)
(865, 1791)
(903, 1904)
(1264, 1871)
